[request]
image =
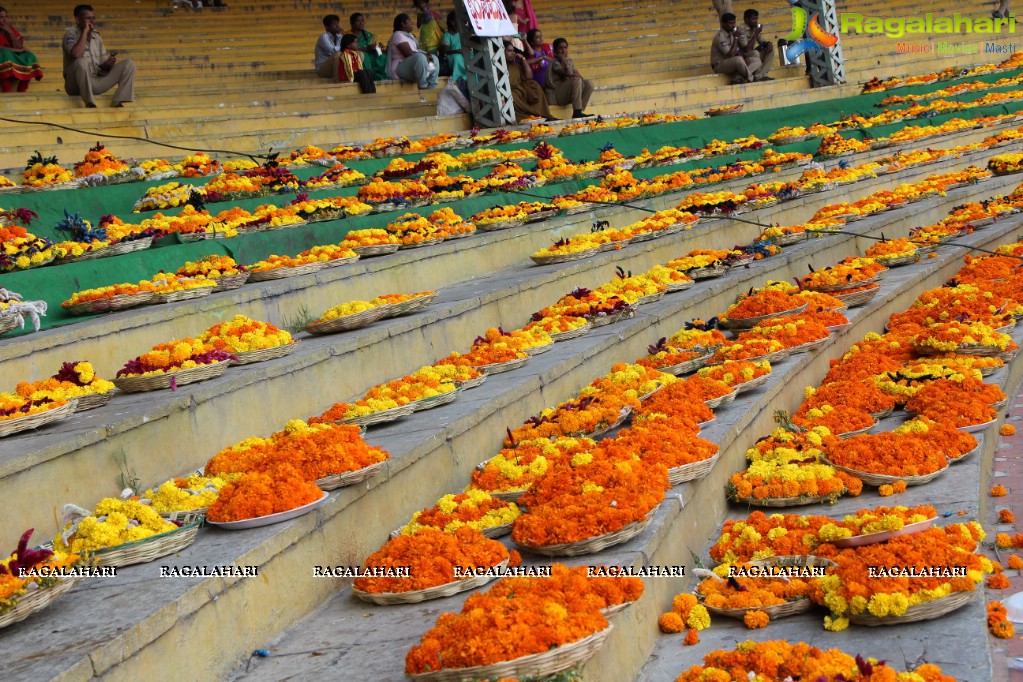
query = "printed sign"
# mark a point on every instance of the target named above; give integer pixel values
(489, 18)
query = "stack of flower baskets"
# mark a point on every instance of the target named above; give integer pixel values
(109, 298)
(548, 629)
(414, 230)
(222, 270)
(474, 509)
(121, 532)
(281, 267)
(19, 248)
(44, 173)
(74, 382)
(761, 306)
(428, 564)
(187, 498)
(596, 500)
(168, 365)
(347, 316)
(248, 340)
(101, 167)
(927, 581)
(513, 470)
(371, 242)
(402, 304)
(331, 455)
(21, 596)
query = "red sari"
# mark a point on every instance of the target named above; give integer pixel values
(17, 66)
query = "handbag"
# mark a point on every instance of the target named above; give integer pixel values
(365, 80)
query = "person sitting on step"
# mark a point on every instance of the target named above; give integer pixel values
(406, 61)
(757, 51)
(327, 51)
(89, 69)
(17, 65)
(564, 84)
(725, 54)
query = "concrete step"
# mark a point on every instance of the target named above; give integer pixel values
(157, 619)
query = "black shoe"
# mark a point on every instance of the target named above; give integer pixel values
(551, 119)
(738, 80)
(579, 113)
(761, 79)
(997, 15)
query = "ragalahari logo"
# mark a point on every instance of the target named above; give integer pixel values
(816, 38)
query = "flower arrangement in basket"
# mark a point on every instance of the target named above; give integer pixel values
(101, 162)
(413, 229)
(405, 192)
(953, 336)
(241, 335)
(842, 276)
(31, 578)
(756, 598)
(170, 359)
(948, 402)
(169, 195)
(938, 556)
(197, 165)
(180, 497)
(514, 469)
(338, 175)
(19, 248)
(631, 288)
(314, 451)
(361, 239)
(666, 357)
(111, 524)
(275, 262)
(344, 152)
(41, 172)
(215, 267)
(1004, 164)
(779, 659)
(579, 417)
(6, 184)
(474, 509)
(698, 334)
(480, 157)
(943, 438)
(74, 380)
(874, 455)
(542, 631)
(519, 340)
(275, 490)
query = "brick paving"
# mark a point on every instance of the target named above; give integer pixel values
(1008, 472)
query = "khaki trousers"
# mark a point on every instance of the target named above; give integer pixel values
(733, 66)
(79, 80)
(574, 91)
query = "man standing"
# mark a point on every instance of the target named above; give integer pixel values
(564, 84)
(89, 69)
(758, 52)
(725, 55)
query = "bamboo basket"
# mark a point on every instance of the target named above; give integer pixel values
(472, 383)
(231, 281)
(283, 273)
(348, 322)
(263, 354)
(381, 417)
(882, 479)
(184, 295)
(708, 272)
(34, 421)
(436, 401)
(106, 305)
(687, 366)
(564, 257)
(776, 611)
(715, 403)
(335, 481)
(858, 298)
(750, 322)
(418, 245)
(337, 262)
(538, 665)
(541, 215)
(148, 549)
(788, 239)
(678, 286)
(691, 472)
(843, 286)
(572, 333)
(928, 610)
(91, 401)
(776, 356)
(752, 384)
(37, 600)
(538, 350)
(898, 261)
(405, 307)
(115, 250)
(436, 592)
(808, 346)
(603, 320)
(499, 225)
(180, 377)
(375, 250)
(591, 545)
(499, 367)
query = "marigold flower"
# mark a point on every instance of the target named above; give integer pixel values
(998, 491)
(1007, 430)
(755, 620)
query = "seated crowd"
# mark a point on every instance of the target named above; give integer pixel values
(541, 74)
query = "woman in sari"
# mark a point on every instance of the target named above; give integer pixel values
(451, 49)
(374, 58)
(527, 94)
(538, 55)
(17, 65)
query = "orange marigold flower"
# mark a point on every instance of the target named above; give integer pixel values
(1003, 540)
(885, 491)
(692, 637)
(998, 582)
(1006, 516)
(755, 620)
(671, 623)
(1015, 563)
(1007, 430)
(998, 491)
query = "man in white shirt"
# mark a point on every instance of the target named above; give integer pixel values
(328, 47)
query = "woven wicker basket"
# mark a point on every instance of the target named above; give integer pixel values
(115, 250)
(791, 139)
(499, 367)
(335, 481)
(572, 333)
(843, 286)
(381, 417)
(418, 245)
(608, 611)
(106, 305)
(149, 549)
(186, 517)
(603, 320)
(34, 421)
(472, 383)
(536, 665)
(91, 401)
(715, 403)
(898, 261)
(777, 611)
(405, 307)
(928, 610)
(375, 250)
(37, 600)
(884, 535)
(708, 272)
(773, 358)
(337, 262)
(499, 225)
(283, 273)
(650, 298)
(858, 298)
(794, 560)
(8, 323)
(788, 239)
(594, 544)
(436, 401)
(538, 350)
(231, 282)
(492, 532)
(623, 416)
(750, 322)
(691, 472)
(687, 366)
(262, 355)
(878, 416)
(541, 215)
(183, 295)
(564, 257)
(436, 592)
(348, 322)
(752, 384)
(881, 479)
(181, 377)
(808, 346)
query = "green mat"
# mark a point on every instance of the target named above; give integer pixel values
(56, 284)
